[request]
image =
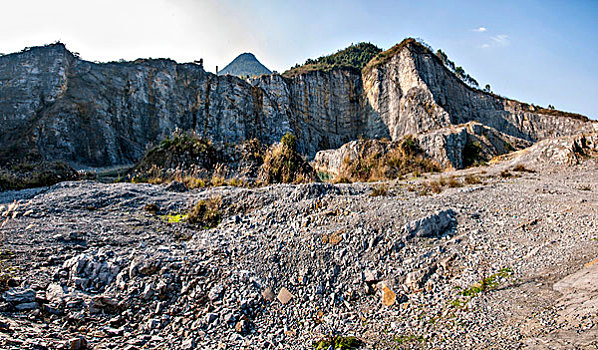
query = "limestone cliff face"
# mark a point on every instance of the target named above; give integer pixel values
(413, 92)
(103, 114)
(56, 106)
(324, 109)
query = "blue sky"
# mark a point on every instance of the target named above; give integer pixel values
(542, 52)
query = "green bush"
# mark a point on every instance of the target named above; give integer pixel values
(35, 174)
(353, 57)
(337, 342)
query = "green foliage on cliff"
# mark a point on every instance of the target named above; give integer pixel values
(355, 56)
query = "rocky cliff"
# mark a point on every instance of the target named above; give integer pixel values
(54, 105)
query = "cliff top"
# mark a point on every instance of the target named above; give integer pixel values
(353, 57)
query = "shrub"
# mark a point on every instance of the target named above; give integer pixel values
(152, 208)
(522, 168)
(472, 179)
(35, 174)
(505, 174)
(283, 164)
(187, 158)
(206, 213)
(436, 186)
(453, 182)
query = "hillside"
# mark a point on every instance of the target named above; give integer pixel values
(353, 57)
(245, 65)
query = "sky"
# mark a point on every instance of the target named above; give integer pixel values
(541, 52)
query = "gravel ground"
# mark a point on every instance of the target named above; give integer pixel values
(292, 264)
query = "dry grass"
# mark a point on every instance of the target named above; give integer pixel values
(436, 186)
(505, 174)
(522, 168)
(375, 163)
(472, 180)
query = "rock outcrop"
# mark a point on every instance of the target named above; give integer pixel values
(57, 106)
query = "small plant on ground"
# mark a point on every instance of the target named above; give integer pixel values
(337, 342)
(453, 182)
(206, 213)
(174, 218)
(522, 168)
(381, 190)
(485, 284)
(151, 208)
(403, 339)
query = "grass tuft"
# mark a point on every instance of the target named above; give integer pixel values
(337, 342)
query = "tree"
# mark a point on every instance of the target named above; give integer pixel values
(460, 72)
(487, 88)
(443, 57)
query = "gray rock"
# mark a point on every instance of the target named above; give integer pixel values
(433, 225)
(19, 295)
(27, 306)
(216, 292)
(55, 293)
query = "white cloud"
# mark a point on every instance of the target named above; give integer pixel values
(480, 29)
(501, 39)
(485, 46)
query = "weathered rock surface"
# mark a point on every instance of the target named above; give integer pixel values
(448, 146)
(57, 106)
(567, 150)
